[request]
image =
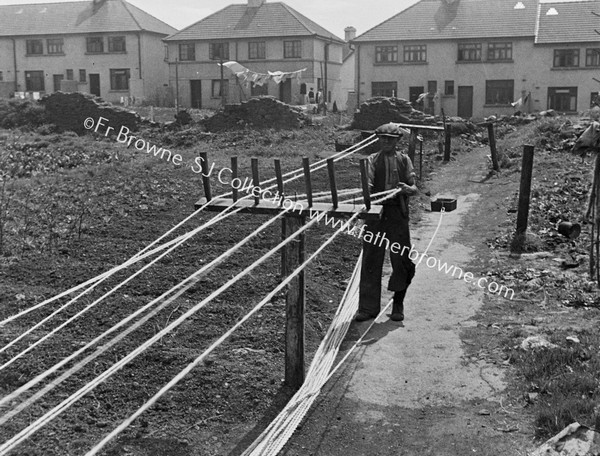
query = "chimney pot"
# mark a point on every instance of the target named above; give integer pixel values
(350, 33)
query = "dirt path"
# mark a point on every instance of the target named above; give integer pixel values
(411, 389)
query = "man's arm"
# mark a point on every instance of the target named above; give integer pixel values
(409, 185)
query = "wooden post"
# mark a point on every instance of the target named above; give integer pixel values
(421, 159)
(255, 178)
(412, 144)
(308, 181)
(364, 177)
(448, 142)
(234, 171)
(332, 184)
(525, 189)
(205, 178)
(492, 140)
(295, 307)
(279, 178)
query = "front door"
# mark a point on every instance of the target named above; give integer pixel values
(465, 102)
(57, 78)
(414, 96)
(285, 91)
(95, 84)
(196, 92)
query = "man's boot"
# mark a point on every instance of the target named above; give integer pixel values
(398, 306)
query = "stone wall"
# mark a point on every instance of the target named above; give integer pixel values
(380, 110)
(260, 112)
(68, 111)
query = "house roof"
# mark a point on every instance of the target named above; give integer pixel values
(78, 17)
(568, 22)
(274, 19)
(439, 19)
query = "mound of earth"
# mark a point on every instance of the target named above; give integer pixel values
(380, 110)
(260, 112)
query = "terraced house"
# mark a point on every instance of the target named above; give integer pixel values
(473, 58)
(109, 48)
(262, 37)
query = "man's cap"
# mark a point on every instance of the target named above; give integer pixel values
(389, 129)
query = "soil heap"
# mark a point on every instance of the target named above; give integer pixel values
(260, 112)
(380, 110)
(69, 110)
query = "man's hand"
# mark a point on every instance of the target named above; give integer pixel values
(406, 189)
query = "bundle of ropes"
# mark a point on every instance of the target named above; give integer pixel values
(318, 373)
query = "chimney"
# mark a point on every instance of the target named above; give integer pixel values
(350, 33)
(255, 3)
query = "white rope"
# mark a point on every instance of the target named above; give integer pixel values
(97, 301)
(218, 342)
(184, 286)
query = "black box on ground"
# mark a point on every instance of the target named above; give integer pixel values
(449, 204)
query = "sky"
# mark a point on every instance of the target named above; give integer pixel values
(334, 15)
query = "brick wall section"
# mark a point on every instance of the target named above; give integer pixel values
(68, 111)
(380, 110)
(261, 112)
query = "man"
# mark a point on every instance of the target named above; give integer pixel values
(388, 170)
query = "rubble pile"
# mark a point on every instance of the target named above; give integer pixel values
(68, 111)
(260, 112)
(380, 110)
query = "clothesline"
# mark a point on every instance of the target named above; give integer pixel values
(259, 79)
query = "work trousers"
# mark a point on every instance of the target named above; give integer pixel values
(392, 228)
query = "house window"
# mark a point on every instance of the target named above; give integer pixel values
(566, 58)
(500, 91)
(166, 53)
(258, 91)
(256, 50)
(119, 79)
(187, 51)
(216, 88)
(69, 75)
(95, 44)
(448, 87)
(55, 46)
(431, 87)
(218, 51)
(386, 54)
(1, 76)
(499, 51)
(35, 47)
(384, 89)
(592, 57)
(116, 44)
(594, 100)
(34, 81)
(562, 99)
(292, 49)
(415, 53)
(469, 52)
(82, 76)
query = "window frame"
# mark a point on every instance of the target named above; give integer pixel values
(560, 54)
(469, 52)
(41, 79)
(391, 53)
(212, 47)
(189, 55)
(217, 83)
(54, 46)
(259, 52)
(33, 46)
(495, 48)
(292, 49)
(112, 40)
(449, 83)
(572, 91)
(70, 75)
(116, 82)
(89, 42)
(414, 53)
(84, 74)
(492, 94)
(592, 54)
(384, 88)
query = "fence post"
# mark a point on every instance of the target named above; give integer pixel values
(295, 305)
(493, 150)
(412, 144)
(448, 142)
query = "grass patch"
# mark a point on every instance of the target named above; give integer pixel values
(565, 378)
